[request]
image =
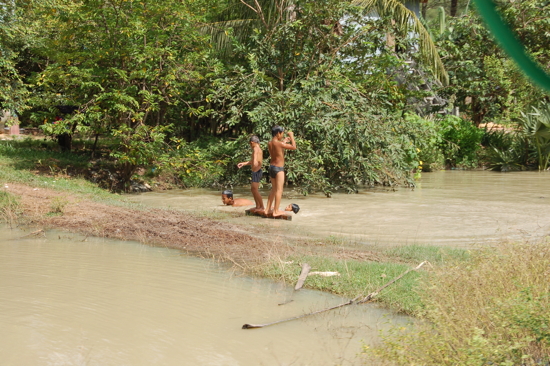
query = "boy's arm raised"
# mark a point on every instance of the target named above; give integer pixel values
(292, 145)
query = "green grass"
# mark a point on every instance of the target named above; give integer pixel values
(356, 278)
(433, 254)
(363, 277)
(19, 161)
(493, 309)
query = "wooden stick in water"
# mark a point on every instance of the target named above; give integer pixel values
(251, 326)
(353, 301)
(303, 275)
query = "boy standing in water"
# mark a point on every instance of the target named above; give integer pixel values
(277, 149)
(256, 165)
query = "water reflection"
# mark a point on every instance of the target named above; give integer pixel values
(67, 300)
(458, 208)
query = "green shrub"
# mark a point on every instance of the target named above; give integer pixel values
(461, 141)
(426, 139)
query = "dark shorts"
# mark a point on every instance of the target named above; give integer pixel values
(273, 170)
(257, 176)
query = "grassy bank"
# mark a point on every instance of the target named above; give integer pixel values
(361, 277)
(39, 164)
(492, 310)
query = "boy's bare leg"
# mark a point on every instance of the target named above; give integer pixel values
(254, 188)
(280, 181)
(268, 210)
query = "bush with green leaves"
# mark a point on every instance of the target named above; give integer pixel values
(461, 141)
(208, 163)
(343, 141)
(426, 138)
(535, 129)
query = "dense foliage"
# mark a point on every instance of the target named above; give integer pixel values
(485, 84)
(178, 86)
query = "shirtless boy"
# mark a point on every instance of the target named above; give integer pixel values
(227, 199)
(256, 165)
(277, 147)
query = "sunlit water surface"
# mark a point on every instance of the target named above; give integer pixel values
(456, 208)
(69, 300)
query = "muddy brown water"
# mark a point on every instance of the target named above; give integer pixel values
(453, 208)
(70, 300)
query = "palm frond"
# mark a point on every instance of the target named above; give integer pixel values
(407, 20)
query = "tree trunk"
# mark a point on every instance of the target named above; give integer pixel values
(454, 7)
(424, 8)
(65, 142)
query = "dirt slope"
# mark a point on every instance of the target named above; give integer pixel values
(172, 229)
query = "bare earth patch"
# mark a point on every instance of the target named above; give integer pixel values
(168, 228)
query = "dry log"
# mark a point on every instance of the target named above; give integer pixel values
(303, 275)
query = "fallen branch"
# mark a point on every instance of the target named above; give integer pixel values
(303, 275)
(34, 233)
(353, 301)
(375, 293)
(251, 326)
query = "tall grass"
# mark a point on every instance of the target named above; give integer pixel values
(491, 310)
(10, 208)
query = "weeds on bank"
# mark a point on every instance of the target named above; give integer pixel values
(359, 277)
(356, 278)
(491, 310)
(57, 206)
(10, 208)
(433, 254)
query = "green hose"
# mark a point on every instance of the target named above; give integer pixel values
(511, 44)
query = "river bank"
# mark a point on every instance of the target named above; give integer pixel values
(490, 298)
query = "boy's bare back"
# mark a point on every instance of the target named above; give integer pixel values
(257, 158)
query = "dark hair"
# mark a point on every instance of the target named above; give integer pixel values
(276, 129)
(254, 139)
(228, 193)
(295, 208)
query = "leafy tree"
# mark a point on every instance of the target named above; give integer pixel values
(13, 90)
(124, 66)
(484, 83)
(246, 17)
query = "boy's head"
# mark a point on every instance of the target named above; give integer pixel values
(254, 140)
(277, 130)
(227, 197)
(293, 207)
